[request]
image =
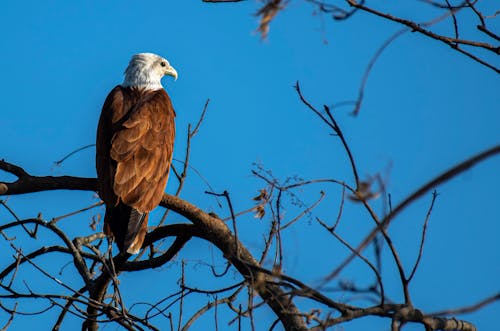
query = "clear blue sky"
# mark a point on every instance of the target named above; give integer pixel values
(426, 107)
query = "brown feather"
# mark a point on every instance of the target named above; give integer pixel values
(134, 149)
(123, 173)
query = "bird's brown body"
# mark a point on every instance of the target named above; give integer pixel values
(135, 138)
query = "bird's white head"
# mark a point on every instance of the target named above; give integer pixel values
(145, 70)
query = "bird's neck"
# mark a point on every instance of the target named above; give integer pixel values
(141, 79)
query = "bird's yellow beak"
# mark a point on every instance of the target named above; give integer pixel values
(171, 72)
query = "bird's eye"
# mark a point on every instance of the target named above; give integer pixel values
(163, 64)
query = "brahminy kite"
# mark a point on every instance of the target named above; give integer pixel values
(135, 139)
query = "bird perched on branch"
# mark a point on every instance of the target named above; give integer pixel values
(134, 146)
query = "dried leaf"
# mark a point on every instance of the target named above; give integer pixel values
(262, 198)
(364, 192)
(260, 212)
(262, 195)
(267, 13)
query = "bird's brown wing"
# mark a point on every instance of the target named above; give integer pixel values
(142, 150)
(141, 146)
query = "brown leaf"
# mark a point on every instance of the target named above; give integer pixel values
(364, 192)
(261, 199)
(262, 195)
(260, 211)
(267, 13)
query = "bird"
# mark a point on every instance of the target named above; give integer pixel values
(134, 148)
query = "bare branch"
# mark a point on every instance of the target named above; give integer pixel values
(373, 60)
(332, 123)
(471, 308)
(13, 169)
(424, 231)
(452, 42)
(58, 163)
(213, 229)
(444, 177)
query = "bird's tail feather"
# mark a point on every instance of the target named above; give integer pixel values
(128, 227)
(136, 232)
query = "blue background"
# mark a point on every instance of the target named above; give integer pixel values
(426, 107)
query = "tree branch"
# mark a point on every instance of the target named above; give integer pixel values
(210, 228)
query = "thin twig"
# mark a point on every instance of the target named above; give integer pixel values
(58, 218)
(424, 231)
(469, 309)
(225, 194)
(455, 25)
(58, 163)
(304, 212)
(373, 60)
(341, 208)
(338, 131)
